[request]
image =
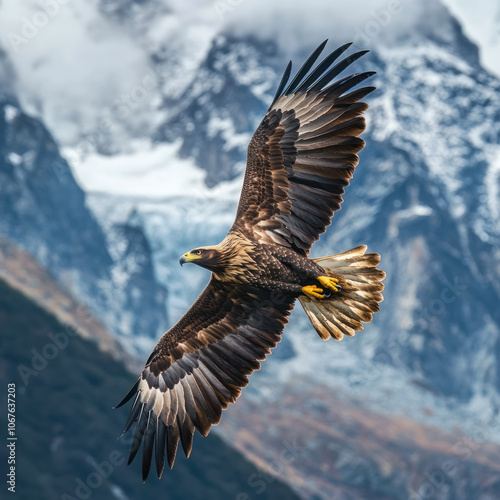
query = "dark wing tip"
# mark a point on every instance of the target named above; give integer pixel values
(129, 394)
(283, 82)
(305, 68)
(322, 67)
(348, 83)
(160, 447)
(336, 70)
(140, 428)
(321, 75)
(147, 446)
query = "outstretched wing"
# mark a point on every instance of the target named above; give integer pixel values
(303, 154)
(199, 367)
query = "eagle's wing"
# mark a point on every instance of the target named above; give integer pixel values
(199, 367)
(303, 154)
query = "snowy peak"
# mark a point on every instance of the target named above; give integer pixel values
(216, 115)
(481, 23)
(44, 211)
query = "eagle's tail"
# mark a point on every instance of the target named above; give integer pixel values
(343, 312)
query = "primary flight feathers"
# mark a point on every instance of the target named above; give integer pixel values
(300, 159)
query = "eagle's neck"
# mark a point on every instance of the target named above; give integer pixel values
(236, 259)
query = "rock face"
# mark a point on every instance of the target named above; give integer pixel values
(329, 446)
(43, 210)
(216, 115)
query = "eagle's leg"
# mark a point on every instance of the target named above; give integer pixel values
(329, 283)
(308, 271)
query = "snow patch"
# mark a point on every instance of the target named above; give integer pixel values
(154, 172)
(15, 159)
(10, 112)
(493, 185)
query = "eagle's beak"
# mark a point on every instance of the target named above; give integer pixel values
(188, 257)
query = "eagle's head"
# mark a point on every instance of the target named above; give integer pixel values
(226, 260)
(208, 257)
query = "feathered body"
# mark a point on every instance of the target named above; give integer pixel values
(300, 159)
(273, 267)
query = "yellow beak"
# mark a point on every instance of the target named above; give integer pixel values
(188, 257)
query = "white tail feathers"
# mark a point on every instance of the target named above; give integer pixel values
(343, 312)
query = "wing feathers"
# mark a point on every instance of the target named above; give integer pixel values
(187, 435)
(171, 443)
(149, 439)
(134, 413)
(336, 70)
(303, 154)
(139, 432)
(160, 439)
(240, 328)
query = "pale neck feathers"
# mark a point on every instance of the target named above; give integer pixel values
(236, 259)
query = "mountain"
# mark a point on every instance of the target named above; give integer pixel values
(216, 114)
(481, 23)
(327, 444)
(21, 271)
(425, 196)
(431, 155)
(67, 431)
(44, 211)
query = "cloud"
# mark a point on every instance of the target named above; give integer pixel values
(299, 25)
(73, 62)
(69, 61)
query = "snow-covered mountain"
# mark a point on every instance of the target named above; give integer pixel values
(481, 23)
(44, 211)
(425, 195)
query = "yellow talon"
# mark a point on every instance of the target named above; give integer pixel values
(313, 291)
(331, 283)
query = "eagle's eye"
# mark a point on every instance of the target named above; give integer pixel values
(199, 252)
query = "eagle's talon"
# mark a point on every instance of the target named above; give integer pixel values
(330, 283)
(313, 291)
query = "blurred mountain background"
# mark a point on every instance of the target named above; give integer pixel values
(123, 130)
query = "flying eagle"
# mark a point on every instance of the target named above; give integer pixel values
(300, 159)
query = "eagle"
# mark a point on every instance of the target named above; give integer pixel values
(300, 159)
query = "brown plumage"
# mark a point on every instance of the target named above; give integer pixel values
(300, 159)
